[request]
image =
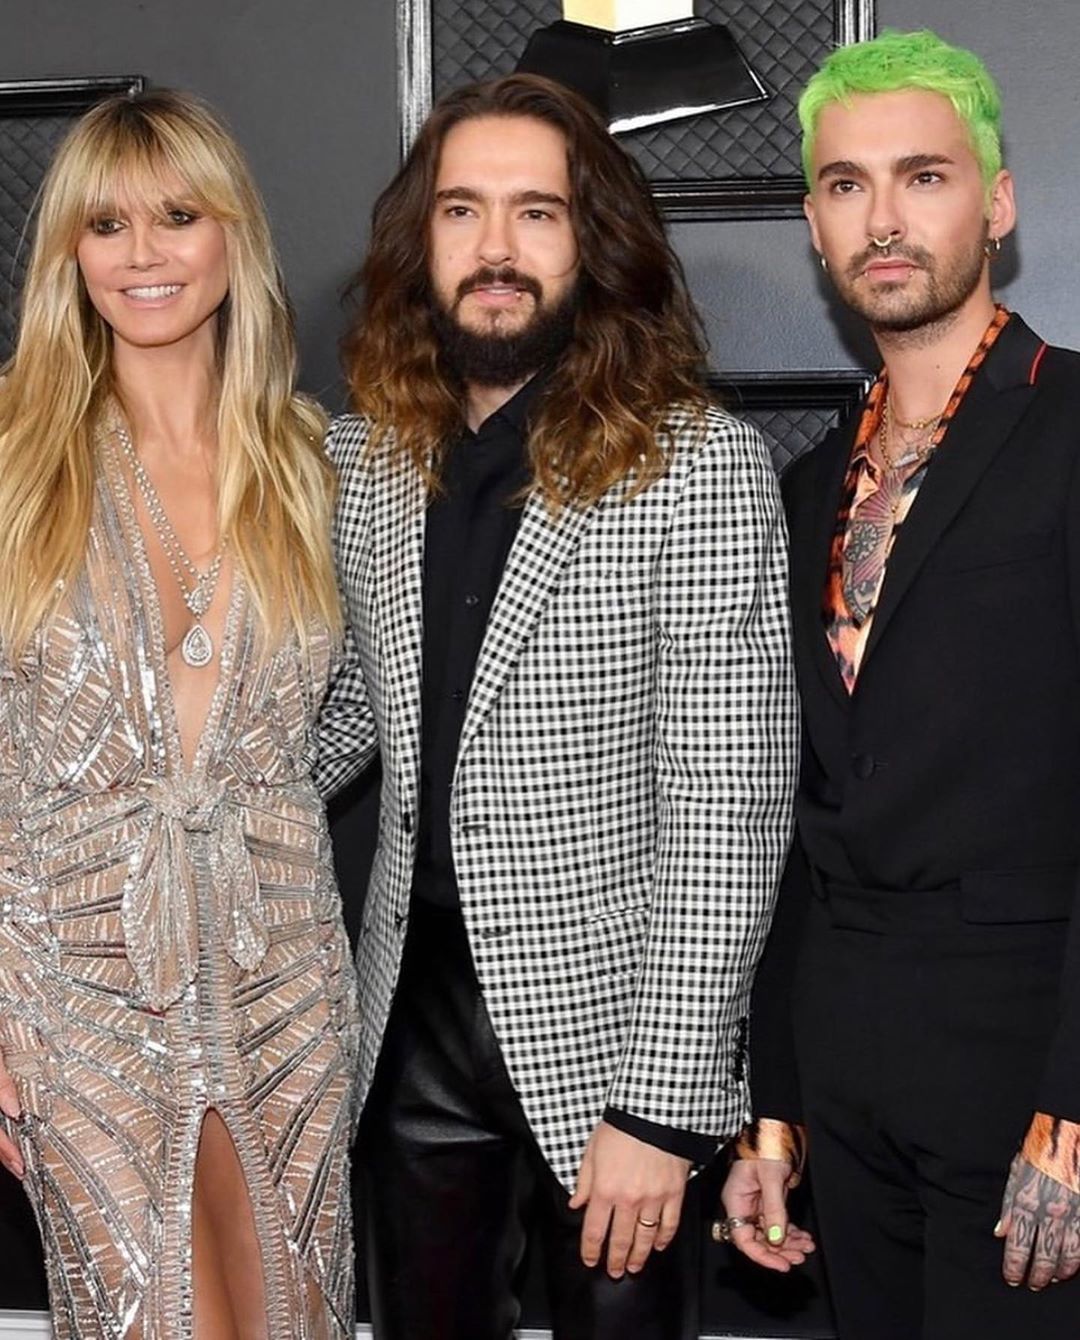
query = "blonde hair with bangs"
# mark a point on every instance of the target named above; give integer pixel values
(275, 487)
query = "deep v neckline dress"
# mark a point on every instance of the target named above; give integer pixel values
(170, 942)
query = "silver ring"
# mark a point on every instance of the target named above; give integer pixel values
(722, 1229)
(648, 1223)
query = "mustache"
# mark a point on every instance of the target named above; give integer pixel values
(894, 251)
(503, 274)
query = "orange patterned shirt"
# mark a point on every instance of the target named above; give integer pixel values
(873, 506)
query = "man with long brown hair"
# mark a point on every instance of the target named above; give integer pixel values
(566, 583)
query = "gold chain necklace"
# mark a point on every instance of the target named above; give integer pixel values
(919, 452)
(918, 424)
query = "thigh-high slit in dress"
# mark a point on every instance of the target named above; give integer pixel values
(171, 943)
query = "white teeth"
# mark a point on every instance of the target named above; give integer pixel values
(154, 291)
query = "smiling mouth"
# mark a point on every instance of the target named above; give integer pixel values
(150, 291)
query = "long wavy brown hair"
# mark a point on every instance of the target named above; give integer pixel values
(637, 351)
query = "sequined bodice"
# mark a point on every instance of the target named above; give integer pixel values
(90, 730)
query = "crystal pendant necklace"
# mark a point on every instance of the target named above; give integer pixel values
(197, 648)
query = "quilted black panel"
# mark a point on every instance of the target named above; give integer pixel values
(790, 432)
(784, 40)
(27, 144)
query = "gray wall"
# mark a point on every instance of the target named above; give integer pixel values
(309, 89)
(308, 86)
(764, 299)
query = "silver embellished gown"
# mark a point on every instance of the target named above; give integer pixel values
(170, 941)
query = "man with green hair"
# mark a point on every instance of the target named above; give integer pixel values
(917, 1013)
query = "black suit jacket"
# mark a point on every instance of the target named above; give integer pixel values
(956, 761)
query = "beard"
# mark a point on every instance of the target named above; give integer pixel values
(496, 358)
(893, 309)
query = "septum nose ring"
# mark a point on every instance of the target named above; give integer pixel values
(883, 245)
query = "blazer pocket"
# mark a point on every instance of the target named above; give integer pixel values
(617, 938)
(1015, 897)
(605, 590)
(995, 552)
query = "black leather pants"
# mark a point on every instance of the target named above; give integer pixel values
(454, 1181)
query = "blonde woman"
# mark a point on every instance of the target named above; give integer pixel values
(177, 1001)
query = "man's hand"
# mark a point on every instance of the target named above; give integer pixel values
(1040, 1222)
(633, 1194)
(9, 1105)
(756, 1190)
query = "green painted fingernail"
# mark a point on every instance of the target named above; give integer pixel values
(776, 1234)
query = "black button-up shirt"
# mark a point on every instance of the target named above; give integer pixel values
(469, 530)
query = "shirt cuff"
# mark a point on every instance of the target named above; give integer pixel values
(1052, 1145)
(766, 1138)
(685, 1144)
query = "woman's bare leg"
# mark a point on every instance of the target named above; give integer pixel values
(227, 1272)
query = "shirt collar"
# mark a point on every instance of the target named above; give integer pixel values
(515, 413)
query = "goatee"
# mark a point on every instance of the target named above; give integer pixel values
(492, 358)
(892, 311)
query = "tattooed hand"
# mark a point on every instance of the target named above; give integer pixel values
(1040, 1222)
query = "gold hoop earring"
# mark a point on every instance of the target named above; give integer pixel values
(992, 248)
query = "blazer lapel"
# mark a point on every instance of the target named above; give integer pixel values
(542, 548)
(988, 413)
(397, 521)
(810, 555)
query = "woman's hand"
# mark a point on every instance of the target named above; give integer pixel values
(9, 1105)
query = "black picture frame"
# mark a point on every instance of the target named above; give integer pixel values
(686, 200)
(837, 389)
(62, 97)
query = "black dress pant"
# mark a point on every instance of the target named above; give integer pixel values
(920, 1040)
(454, 1180)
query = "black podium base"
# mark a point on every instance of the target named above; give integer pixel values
(647, 75)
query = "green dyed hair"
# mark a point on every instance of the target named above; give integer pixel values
(919, 60)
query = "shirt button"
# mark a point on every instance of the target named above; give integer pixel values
(472, 601)
(863, 765)
(457, 695)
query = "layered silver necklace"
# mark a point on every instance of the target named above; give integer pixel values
(197, 588)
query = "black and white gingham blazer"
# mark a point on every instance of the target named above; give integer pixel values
(623, 788)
